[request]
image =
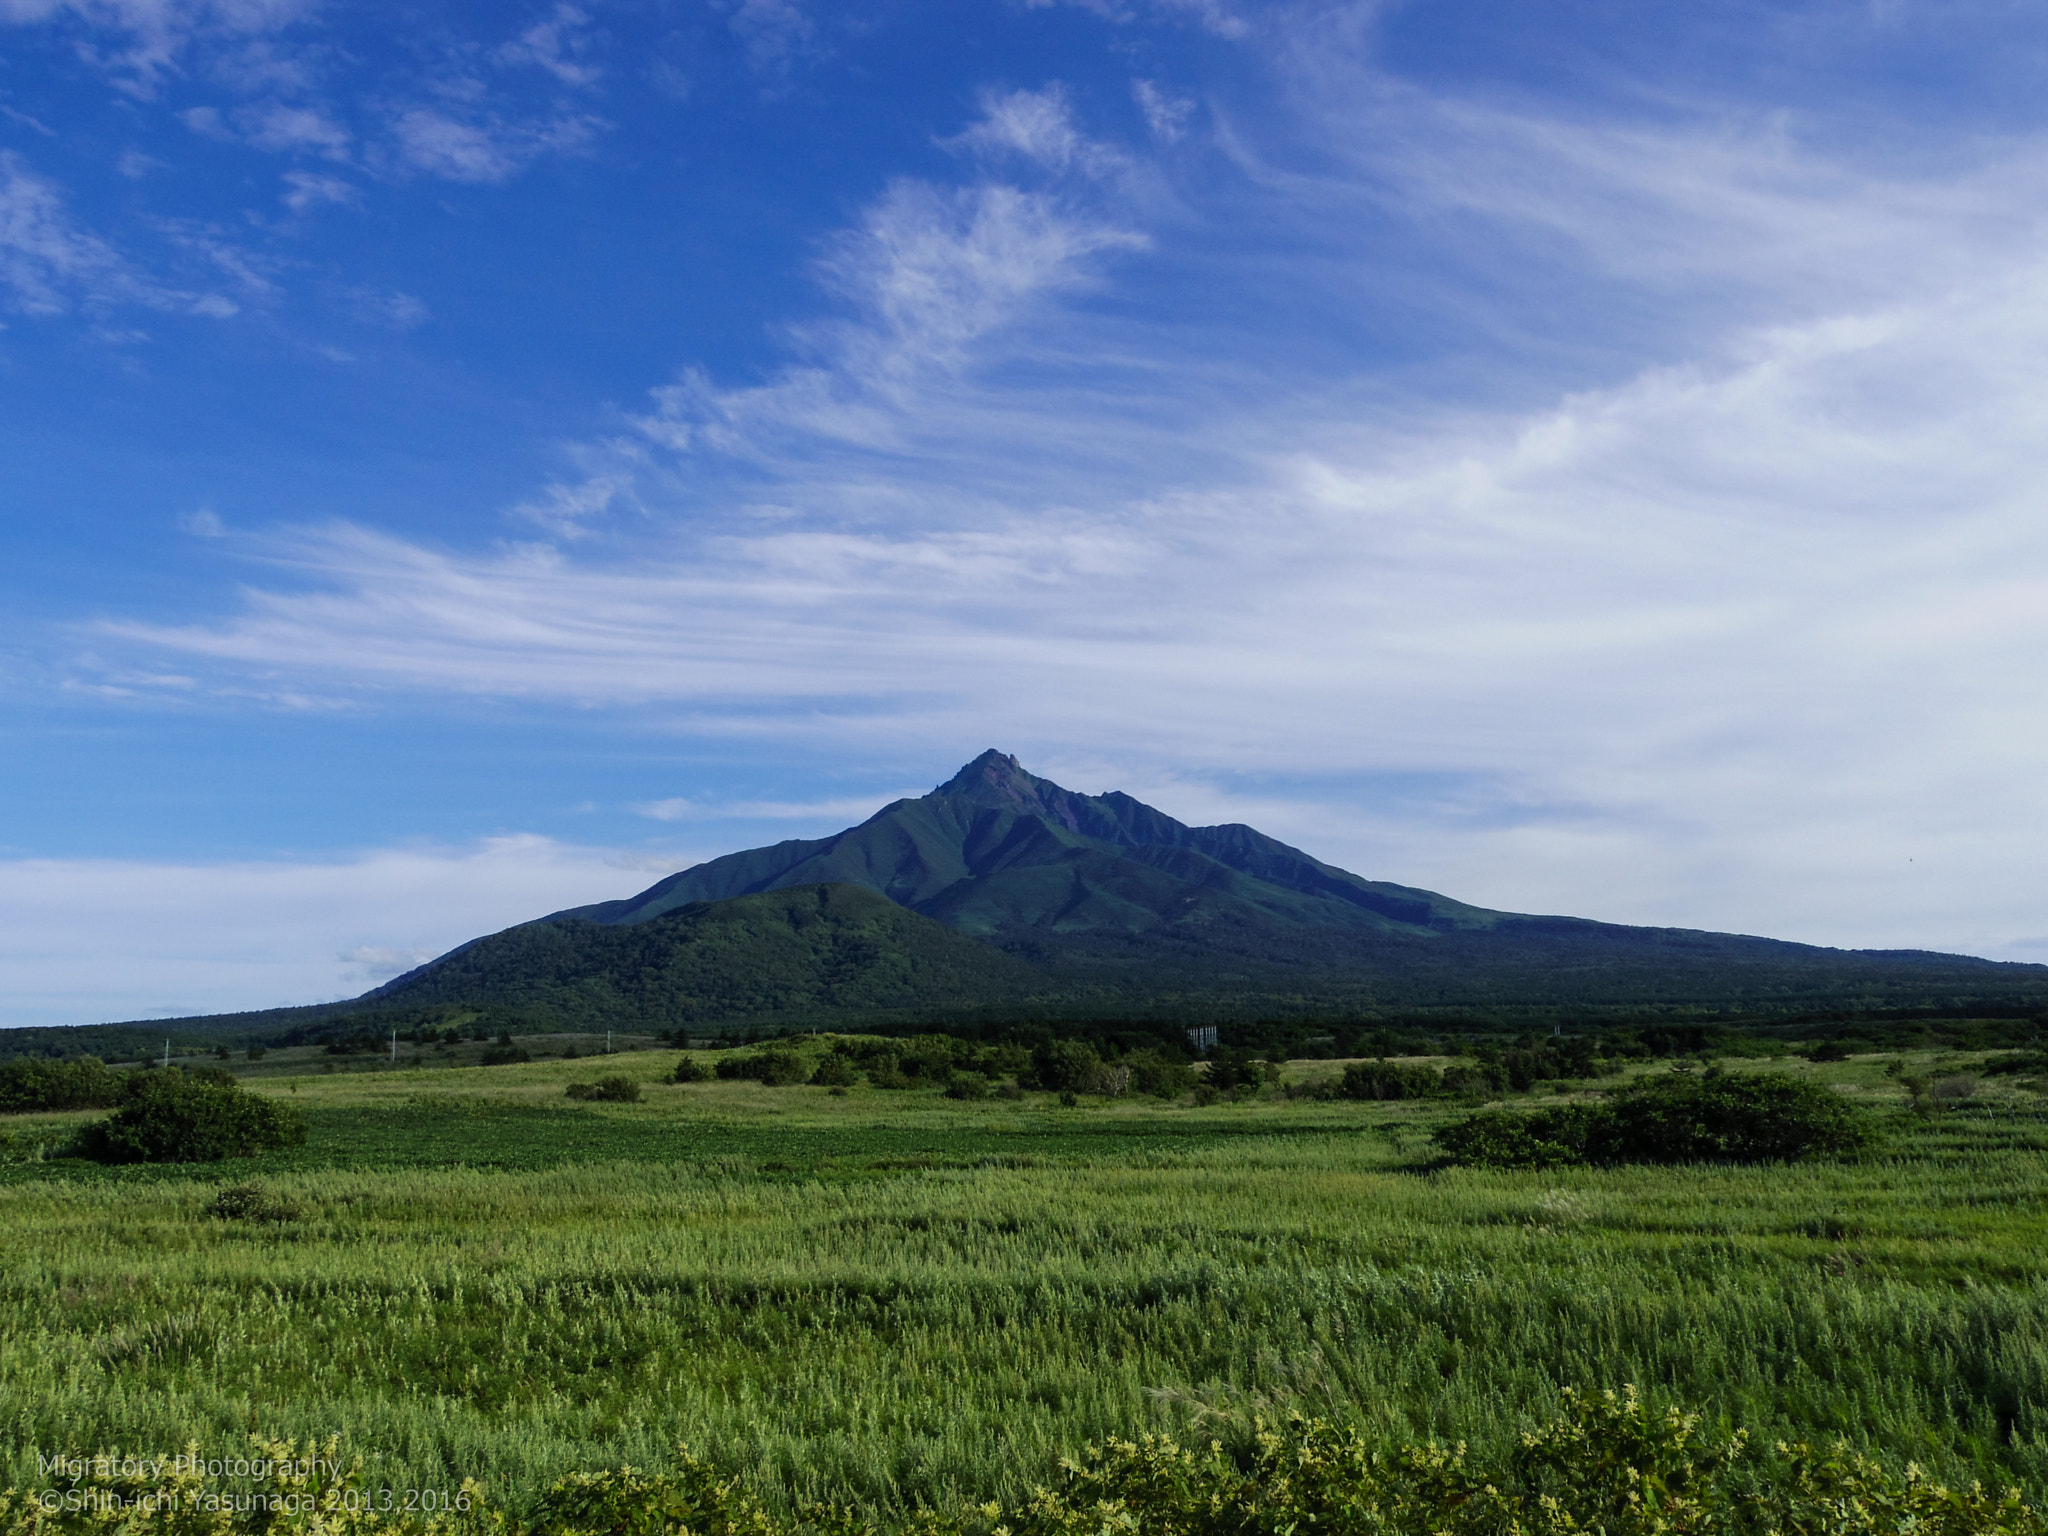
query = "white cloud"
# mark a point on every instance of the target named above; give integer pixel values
(1167, 116)
(51, 266)
(389, 311)
(932, 276)
(203, 524)
(374, 964)
(557, 46)
(143, 940)
(846, 810)
(1210, 15)
(307, 189)
(44, 257)
(151, 34)
(776, 33)
(283, 128)
(465, 144)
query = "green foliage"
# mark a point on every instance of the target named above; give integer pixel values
(252, 1202)
(837, 1070)
(1711, 1117)
(1604, 1463)
(1389, 1080)
(771, 1068)
(29, 1083)
(1499, 1138)
(688, 1500)
(503, 1055)
(190, 1117)
(689, 1069)
(616, 1090)
(1160, 1075)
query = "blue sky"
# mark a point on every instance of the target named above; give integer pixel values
(462, 461)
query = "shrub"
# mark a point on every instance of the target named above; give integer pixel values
(1606, 1463)
(1240, 1075)
(251, 1202)
(190, 1117)
(1725, 1117)
(1475, 1079)
(690, 1070)
(1065, 1065)
(503, 1056)
(1072, 1066)
(773, 1068)
(1828, 1050)
(1676, 1118)
(1499, 1138)
(256, 1053)
(1389, 1080)
(1158, 1074)
(33, 1083)
(616, 1090)
(835, 1071)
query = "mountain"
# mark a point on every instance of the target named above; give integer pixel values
(1001, 892)
(997, 851)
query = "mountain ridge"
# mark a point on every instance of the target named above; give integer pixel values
(1005, 819)
(1114, 906)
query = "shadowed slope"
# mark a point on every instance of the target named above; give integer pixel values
(806, 950)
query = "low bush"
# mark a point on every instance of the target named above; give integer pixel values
(836, 1071)
(30, 1083)
(616, 1090)
(1501, 1138)
(1713, 1117)
(1160, 1075)
(1379, 1080)
(772, 1068)
(251, 1202)
(190, 1117)
(1607, 1463)
(503, 1056)
(690, 1070)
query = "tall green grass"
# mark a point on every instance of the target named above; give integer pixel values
(776, 1279)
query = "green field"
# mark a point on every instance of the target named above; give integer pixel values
(896, 1298)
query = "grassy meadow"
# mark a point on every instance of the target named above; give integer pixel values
(897, 1298)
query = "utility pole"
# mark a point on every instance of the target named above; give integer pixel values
(167, 1050)
(394, 1047)
(607, 1042)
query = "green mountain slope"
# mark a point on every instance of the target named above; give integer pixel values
(996, 849)
(805, 950)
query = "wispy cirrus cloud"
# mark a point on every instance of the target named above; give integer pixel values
(50, 265)
(137, 42)
(461, 142)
